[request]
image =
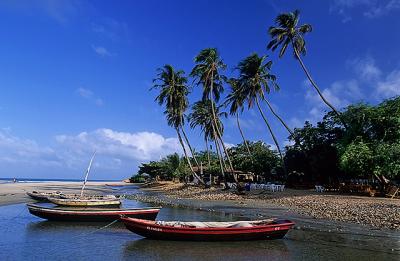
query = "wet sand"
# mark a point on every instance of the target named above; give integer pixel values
(13, 193)
(373, 213)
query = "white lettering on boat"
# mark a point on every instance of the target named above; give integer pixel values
(277, 228)
(154, 228)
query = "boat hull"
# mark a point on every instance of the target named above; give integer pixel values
(90, 215)
(85, 202)
(151, 230)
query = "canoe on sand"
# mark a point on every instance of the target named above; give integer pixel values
(90, 214)
(209, 231)
(85, 202)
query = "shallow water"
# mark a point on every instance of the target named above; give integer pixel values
(26, 237)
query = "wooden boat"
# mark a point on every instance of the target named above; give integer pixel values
(77, 196)
(85, 202)
(90, 214)
(209, 231)
(43, 196)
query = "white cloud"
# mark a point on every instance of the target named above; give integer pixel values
(136, 146)
(377, 85)
(382, 86)
(86, 93)
(272, 146)
(369, 8)
(365, 68)
(383, 9)
(16, 151)
(89, 95)
(390, 86)
(101, 51)
(119, 152)
(229, 145)
(288, 143)
(339, 94)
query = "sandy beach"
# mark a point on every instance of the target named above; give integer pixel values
(13, 193)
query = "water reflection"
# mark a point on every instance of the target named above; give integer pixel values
(146, 249)
(56, 226)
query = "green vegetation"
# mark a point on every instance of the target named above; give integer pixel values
(323, 153)
(368, 147)
(172, 166)
(360, 141)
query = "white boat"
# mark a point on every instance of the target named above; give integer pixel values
(86, 201)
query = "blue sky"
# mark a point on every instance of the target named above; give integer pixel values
(74, 75)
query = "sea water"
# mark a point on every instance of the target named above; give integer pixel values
(26, 237)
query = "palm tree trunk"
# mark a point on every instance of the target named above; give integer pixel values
(317, 88)
(217, 147)
(186, 156)
(208, 160)
(217, 128)
(244, 139)
(222, 156)
(190, 147)
(208, 154)
(272, 134)
(278, 117)
(221, 161)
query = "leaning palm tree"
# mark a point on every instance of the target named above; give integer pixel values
(288, 32)
(235, 100)
(254, 80)
(207, 74)
(201, 117)
(173, 91)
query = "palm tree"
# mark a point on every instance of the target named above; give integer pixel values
(207, 73)
(173, 91)
(201, 116)
(287, 31)
(235, 100)
(254, 80)
(278, 117)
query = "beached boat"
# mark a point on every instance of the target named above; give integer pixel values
(43, 196)
(95, 196)
(85, 201)
(209, 231)
(90, 214)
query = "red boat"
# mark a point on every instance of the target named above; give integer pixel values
(90, 214)
(209, 231)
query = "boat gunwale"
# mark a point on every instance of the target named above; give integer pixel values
(92, 211)
(171, 229)
(84, 202)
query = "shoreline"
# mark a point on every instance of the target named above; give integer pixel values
(305, 207)
(14, 193)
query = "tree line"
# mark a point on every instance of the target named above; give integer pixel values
(325, 152)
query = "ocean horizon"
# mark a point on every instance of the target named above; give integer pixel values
(29, 180)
